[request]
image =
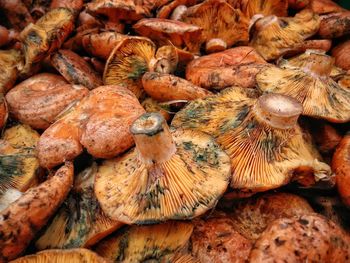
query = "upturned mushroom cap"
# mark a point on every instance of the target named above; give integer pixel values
(306, 78)
(128, 62)
(219, 20)
(19, 164)
(305, 238)
(178, 174)
(80, 221)
(261, 135)
(146, 243)
(273, 36)
(39, 99)
(76, 255)
(46, 35)
(265, 7)
(75, 69)
(100, 123)
(166, 87)
(11, 63)
(252, 216)
(165, 32)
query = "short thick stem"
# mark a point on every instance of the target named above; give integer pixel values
(215, 45)
(278, 111)
(153, 139)
(319, 64)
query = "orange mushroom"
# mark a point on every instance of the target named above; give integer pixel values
(324, 6)
(335, 25)
(341, 54)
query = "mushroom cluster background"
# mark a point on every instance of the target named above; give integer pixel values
(182, 131)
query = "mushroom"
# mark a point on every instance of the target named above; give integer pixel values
(335, 25)
(100, 122)
(298, 4)
(75, 5)
(18, 161)
(3, 111)
(166, 10)
(316, 44)
(235, 66)
(80, 221)
(166, 87)
(325, 136)
(11, 63)
(21, 220)
(154, 243)
(305, 238)
(165, 32)
(16, 13)
(150, 105)
(274, 36)
(251, 217)
(184, 258)
(76, 255)
(9, 196)
(264, 7)
(266, 146)
(305, 78)
(177, 174)
(216, 240)
(223, 26)
(324, 6)
(46, 35)
(341, 53)
(75, 69)
(341, 168)
(39, 99)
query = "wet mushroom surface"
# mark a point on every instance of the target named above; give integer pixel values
(174, 131)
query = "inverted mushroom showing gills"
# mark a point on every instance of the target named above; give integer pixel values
(307, 79)
(261, 135)
(155, 243)
(177, 174)
(265, 7)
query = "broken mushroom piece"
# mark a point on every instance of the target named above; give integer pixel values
(21, 221)
(178, 174)
(170, 32)
(223, 26)
(18, 161)
(165, 87)
(100, 122)
(39, 99)
(252, 216)
(273, 36)
(154, 243)
(235, 66)
(266, 146)
(335, 25)
(216, 240)
(265, 7)
(341, 168)
(128, 62)
(305, 238)
(307, 79)
(76, 255)
(11, 62)
(75, 69)
(80, 221)
(46, 35)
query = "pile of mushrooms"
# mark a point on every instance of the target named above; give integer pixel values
(183, 131)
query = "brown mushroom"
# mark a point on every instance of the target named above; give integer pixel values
(75, 5)
(341, 53)
(324, 6)
(16, 13)
(326, 137)
(3, 111)
(11, 63)
(39, 99)
(75, 69)
(335, 25)
(166, 10)
(264, 7)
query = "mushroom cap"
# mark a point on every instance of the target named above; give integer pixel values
(265, 7)
(140, 243)
(150, 105)
(262, 156)
(185, 186)
(80, 221)
(75, 69)
(216, 240)
(252, 216)
(324, 6)
(76, 255)
(235, 66)
(184, 258)
(39, 99)
(341, 53)
(166, 31)
(305, 78)
(129, 60)
(19, 164)
(166, 87)
(46, 35)
(11, 62)
(116, 10)
(275, 36)
(218, 20)
(3, 111)
(305, 238)
(327, 28)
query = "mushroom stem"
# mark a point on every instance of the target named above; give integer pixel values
(215, 45)
(319, 64)
(178, 12)
(153, 139)
(278, 111)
